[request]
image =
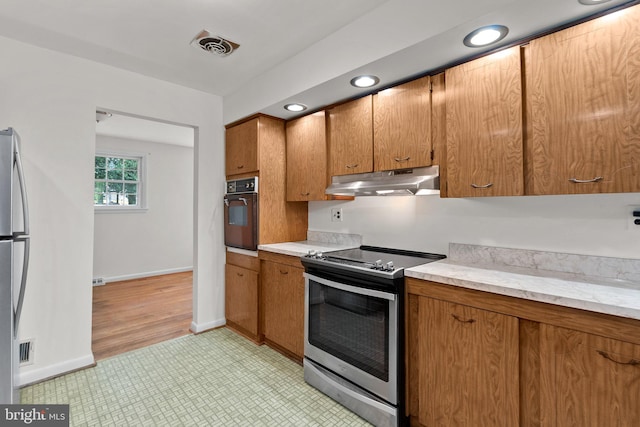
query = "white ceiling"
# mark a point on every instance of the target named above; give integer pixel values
(290, 50)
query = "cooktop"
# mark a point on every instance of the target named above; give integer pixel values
(386, 262)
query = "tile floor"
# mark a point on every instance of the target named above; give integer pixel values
(213, 379)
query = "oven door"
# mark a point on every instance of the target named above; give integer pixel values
(241, 221)
(353, 331)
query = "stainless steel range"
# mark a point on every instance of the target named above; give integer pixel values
(354, 328)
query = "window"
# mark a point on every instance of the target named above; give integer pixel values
(118, 181)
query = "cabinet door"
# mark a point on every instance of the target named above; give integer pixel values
(468, 366)
(587, 380)
(241, 143)
(484, 127)
(350, 136)
(283, 306)
(402, 126)
(241, 298)
(584, 97)
(306, 158)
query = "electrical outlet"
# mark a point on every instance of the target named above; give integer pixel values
(336, 214)
(98, 281)
(633, 221)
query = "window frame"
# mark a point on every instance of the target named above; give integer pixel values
(142, 182)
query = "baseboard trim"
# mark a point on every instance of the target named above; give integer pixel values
(47, 372)
(196, 328)
(146, 274)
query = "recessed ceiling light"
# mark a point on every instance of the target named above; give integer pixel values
(486, 35)
(591, 2)
(365, 81)
(295, 107)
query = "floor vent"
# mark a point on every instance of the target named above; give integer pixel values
(26, 352)
(98, 281)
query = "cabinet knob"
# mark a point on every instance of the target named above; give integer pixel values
(482, 186)
(585, 181)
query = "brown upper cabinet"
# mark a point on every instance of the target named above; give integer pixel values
(242, 147)
(257, 147)
(583, 99)
(484, 126)
(350, 137)
(306, 158)
(402, 126)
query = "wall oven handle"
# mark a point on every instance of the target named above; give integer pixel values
(352, 289)
(226, 202)
(243, 200)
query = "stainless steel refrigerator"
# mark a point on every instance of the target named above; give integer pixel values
(14, 260)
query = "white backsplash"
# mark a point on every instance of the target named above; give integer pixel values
(587, 265)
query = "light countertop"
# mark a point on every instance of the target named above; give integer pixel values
(608, 295)
(303, 247)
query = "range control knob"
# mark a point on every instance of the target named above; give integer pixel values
(389, 266)
(378, 265)
(319, 255)
(311, 253)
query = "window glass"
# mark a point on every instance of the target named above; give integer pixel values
(117, 181)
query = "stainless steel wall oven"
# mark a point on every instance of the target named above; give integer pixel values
(354, 328)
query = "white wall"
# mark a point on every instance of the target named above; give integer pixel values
(160, 239)
(582, 224)
(50, 98)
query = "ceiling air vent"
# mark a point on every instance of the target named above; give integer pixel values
(214, 44)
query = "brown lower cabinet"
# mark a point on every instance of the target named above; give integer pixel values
(241, 294)
(481, 359)
(282, 303)
(590, 380)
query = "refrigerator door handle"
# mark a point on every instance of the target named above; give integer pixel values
(23, 283)
(23, 189)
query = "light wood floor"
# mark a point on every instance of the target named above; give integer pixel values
(136, 313)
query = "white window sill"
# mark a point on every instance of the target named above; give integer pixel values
(119, 210)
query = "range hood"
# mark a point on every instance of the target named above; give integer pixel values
(405, 182)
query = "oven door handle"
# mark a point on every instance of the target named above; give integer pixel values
(352, 289)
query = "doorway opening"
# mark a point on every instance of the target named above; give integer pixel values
(143, 253)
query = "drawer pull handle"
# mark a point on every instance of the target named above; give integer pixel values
(240, 274)
(240, 167)
(586, 181)
(632, 362)
(482, 186)
(284, 272)
(460, 319)
(352, 166)
(305, 194)
(403, 159)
